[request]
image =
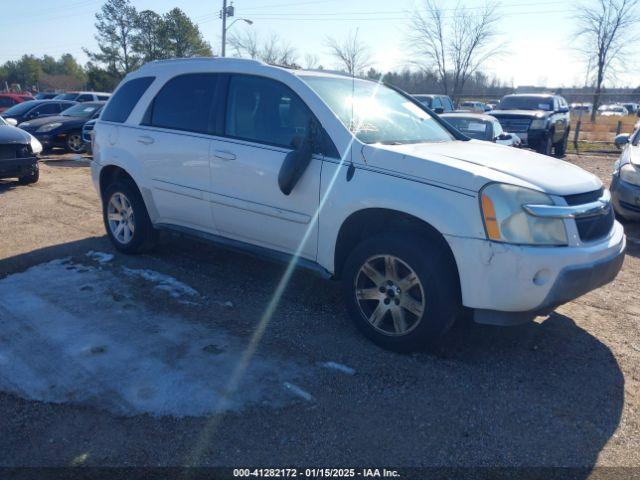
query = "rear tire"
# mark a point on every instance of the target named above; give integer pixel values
(126, 218)
(33, 177)
(401, 291)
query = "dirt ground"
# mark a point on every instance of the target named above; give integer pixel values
(561, 391)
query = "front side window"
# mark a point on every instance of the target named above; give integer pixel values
(125, 99)
(185, 103)
(18, 109)
(375, 113)
(266, 111)
(47, 109)
(437, 103)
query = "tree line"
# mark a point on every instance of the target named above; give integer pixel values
(448, 48)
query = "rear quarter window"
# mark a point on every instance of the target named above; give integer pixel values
(125, 99)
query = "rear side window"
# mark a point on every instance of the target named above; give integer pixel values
(185, 103)
(125, 99)
(85, 98)
(47, 108)
(104, 97)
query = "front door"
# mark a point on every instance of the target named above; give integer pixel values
(264, 121)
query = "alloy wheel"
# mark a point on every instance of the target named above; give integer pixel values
(75, 143)
(390, 295)
(120, 218)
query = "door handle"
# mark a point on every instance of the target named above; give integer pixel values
(145, 140)
(224, 155)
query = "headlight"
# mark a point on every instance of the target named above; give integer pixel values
(36, 146)
(506, 221)
(630, 174)
(538, 124)
(48, 127)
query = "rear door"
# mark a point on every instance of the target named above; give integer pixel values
(264, 120)
(173, 144)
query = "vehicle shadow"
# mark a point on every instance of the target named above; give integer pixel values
(544, 394)
(8, 184)
(632, 231)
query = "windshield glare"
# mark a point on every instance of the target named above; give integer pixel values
(376, 113)
(525, 103)
(82, 110)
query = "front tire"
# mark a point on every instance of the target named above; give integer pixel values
(546, 145)
(126, 218)
(33, 177)
(75, 144)
(401, 291)
(560, 148)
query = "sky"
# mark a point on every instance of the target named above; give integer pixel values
(538, 35)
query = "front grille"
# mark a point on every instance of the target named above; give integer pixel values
(10, 151)
(592, 227)
(515, 125)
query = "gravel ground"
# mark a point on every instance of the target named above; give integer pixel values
(562, 391)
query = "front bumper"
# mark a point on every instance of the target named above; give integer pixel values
(625, 198)
(17, 167)
(534, 138)
(512, 284)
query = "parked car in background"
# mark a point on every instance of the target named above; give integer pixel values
(64, 130)
(46, 95)
(481, 127)
(625, 182)
(34, 109)
(542, 121)
(86, 134)
(8, 100)
(18, 154)
(476, 107)
(83, 96)
(437, 103)
(633, 108)
(582, 108)
(417, 220)
(613, 111)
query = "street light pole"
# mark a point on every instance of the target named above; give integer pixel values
(224, 27)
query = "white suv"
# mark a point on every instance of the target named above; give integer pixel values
(357, 181)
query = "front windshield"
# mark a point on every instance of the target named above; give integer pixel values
(525, 103)
(19, 108)
(66, 96)
(81, 111)
(376, 113)
(471, 127)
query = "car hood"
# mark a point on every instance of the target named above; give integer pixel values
(70, 121)
(469, 165)
(9, 134)
(520, 113)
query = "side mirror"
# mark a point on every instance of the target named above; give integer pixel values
(504, 136)
(621, 140)
(438, 110)
(563, 109)
(297, 161)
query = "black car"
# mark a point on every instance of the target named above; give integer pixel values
(64, 130)
(17, 159)
(542, 121)
(86, 134)
(46, 95)
(35, 109)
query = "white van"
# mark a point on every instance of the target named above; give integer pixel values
(357, 181)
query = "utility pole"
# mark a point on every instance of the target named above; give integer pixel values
(227, 11)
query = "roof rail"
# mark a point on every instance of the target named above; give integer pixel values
(201, 59)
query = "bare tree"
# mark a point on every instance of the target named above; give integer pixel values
(274, 50)
(311, 61)
(605, 27)
(351, 54)
(453, 42)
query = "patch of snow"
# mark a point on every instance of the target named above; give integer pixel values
(100, 257)
(106, 348)
(298, 391)
(167, 283)
(339, 367)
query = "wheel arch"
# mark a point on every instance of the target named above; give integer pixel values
(370, 221)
